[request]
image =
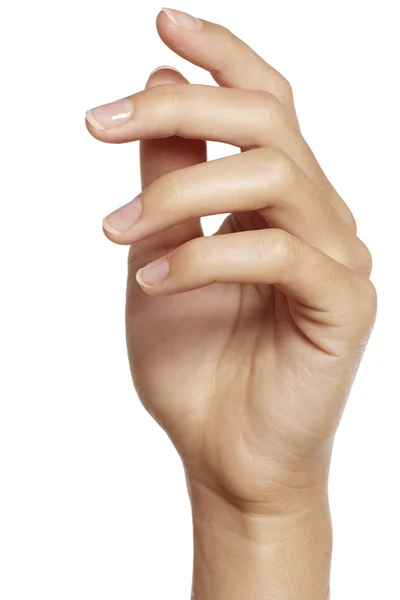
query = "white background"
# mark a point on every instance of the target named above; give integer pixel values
(93, 501)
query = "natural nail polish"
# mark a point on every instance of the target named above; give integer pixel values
(184, 20)
(110, 115)
(154, 273)
(123, 218)
(163, 68)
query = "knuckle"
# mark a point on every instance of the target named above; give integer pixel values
(284, 249)
(229, 39)
(356, 256)
(170, 91)
(194, 252)
(167, 97)
(367, 304)
(286, 90)
(281, 168)
(225, 30)
(170, 188)
(162, 103)
(371, 299)
(271, 109)
(365, 258)
(342, 208)
(164, 195)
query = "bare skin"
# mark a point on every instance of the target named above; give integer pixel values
(246, 349)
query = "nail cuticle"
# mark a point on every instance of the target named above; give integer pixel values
(183, 19)
(155, 272)
(109, 116)
(125, 217)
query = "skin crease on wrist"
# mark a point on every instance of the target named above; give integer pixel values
(243, 345)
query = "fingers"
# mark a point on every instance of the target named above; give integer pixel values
(233, 64)
(238, 117)
(264, 180)
(270, 256)
(229, 60)
(245, 118)
(159, 157)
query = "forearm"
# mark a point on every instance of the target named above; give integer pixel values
(275, 557)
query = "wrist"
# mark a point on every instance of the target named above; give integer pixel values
(251, 554)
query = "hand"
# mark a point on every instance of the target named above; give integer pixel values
(243, 345)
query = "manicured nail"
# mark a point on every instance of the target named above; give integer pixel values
(123, 218)
(183, 19)
(154, 273)
(110, 115)
(167, 67)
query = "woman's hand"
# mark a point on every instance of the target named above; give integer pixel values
(243, 345)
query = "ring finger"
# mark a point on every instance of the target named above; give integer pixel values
(264, 180)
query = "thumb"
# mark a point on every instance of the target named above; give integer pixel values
(159, 157)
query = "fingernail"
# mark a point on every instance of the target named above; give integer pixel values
(154, 273)
(166, 67)
(110, 115)
(183, 19)
(123, 218)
